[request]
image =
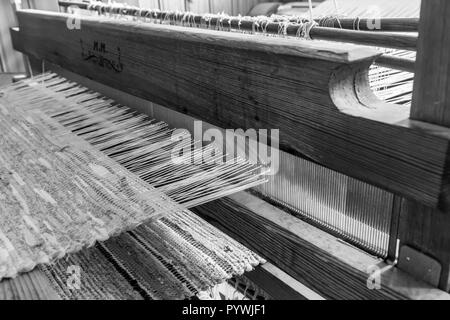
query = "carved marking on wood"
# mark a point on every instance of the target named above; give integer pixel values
(99, 55)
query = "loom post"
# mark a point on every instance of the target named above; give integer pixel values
(421, 228)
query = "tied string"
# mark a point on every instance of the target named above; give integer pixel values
(356, 23)
(260, 24)
(240, 22)
(282, 28)
(276, 25)
(302, 25)
(155, 14)
(264, 22)
(304, 29)
(167, 17)
(219, 21)
(188, 19)
(330, 21)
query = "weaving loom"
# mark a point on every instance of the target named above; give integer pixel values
(353, 169)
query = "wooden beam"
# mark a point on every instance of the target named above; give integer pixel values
(321, 262)
(279, 285)
(421, 227)
(316, 93)
(386, 39)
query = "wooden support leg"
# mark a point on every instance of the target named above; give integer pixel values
(432, 79)
(421, 228)
(427, 231)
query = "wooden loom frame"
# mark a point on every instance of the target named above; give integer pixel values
(337, 111)
(343, 31)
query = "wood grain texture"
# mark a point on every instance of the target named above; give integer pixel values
(316, 93)
(427, 230)
(292, 253)
(421, 227)
(368, 38)
(313, 257)
(402, 41)
(432, 81)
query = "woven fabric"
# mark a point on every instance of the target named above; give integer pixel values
(98, 278)
(166, 260)
(60, 195)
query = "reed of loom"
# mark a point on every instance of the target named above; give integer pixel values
(332, 32)
(329, 123)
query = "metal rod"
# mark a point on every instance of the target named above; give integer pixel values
(376, 39)
(374, 24)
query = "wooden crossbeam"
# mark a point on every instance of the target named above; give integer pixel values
(317, 94)
(423, 228)
(323, 263)
(432, 81)
(389, 40)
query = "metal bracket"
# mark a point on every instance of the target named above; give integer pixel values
(420, 265)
